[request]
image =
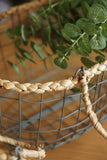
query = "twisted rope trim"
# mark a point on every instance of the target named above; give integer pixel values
(93, 117)
(28, 151)
(95, 70)
(35, 4)
(40, 88)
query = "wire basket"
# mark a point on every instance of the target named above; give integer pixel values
(50, 118)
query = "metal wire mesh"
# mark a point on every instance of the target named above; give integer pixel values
(51, 118)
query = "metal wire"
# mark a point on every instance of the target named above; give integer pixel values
(52, 121)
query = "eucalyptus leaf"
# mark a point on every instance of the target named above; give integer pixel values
(25, 33)
(64, 50)
(26, 55)
(85, 45)
(71, 30)
(17, 30)
(79, 50)
(103, 2)
(104, 29)
(61, 62)
(85, 7)
(48, 32)
(17, 42)
(10, 34)
(97, 13)
(86, 25)
(98, 42)
(33, 31)
(74, 3)
(87, 62)
(65, 35)
(15, 66)
(100, 59)
(99, 52)
(21, 59)
(37, 48)
(35, 19)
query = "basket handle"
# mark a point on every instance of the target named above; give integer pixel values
(92, 115)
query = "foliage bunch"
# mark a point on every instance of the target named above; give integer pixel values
(65, 25)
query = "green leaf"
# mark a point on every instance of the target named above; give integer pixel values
(50, 59)
(48, 32)
(65, 35)
(17, 42)
(71, 30)
(61, 62)
(104, 29)
(17, 30)
(74, 3)
(98, 42)
(15, 66)
(50, 4)
(10, 34)
(85, 45)
(35, 19)
(76, 90)
(99, 52)
(26, 54)
(33, 31)
(44, 37)
(97, 13)
(36, 47)
(87, 62)
(21, 59)
(103, 2)
(78, 50)
(64, 50)
(100, 59)
(85, 7)
(86, 25)
(25, 33)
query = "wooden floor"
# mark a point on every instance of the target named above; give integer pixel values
(90, 146)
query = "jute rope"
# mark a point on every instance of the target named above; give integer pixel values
(97, 69)
(52, 86)
(93, 117)
(28, 151)
(35, 4)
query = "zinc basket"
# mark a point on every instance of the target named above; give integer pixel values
(40, 107)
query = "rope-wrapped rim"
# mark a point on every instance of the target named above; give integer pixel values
(35, 4)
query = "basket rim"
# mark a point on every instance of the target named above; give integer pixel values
(26, 6)
(66, 84)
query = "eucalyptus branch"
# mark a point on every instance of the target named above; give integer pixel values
(64, 29)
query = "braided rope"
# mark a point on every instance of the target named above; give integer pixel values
(52, 86)
(35, 4)
(28, 151)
